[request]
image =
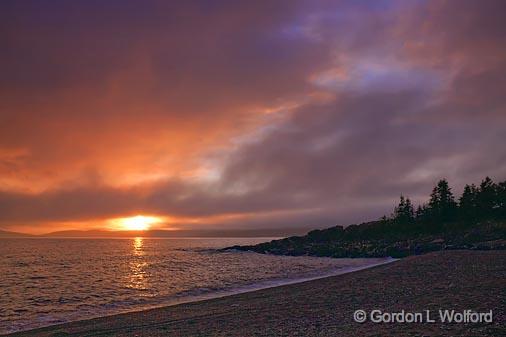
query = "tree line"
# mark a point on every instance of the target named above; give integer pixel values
(476, 204)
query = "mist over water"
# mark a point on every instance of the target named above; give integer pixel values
(50, 281)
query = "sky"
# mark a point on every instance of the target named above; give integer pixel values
(244, 114)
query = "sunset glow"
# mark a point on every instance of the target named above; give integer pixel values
(248, 116)
(135, 223)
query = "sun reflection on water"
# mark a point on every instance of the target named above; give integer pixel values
(138, 278)
(138, 248)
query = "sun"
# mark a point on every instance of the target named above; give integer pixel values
(135, 223)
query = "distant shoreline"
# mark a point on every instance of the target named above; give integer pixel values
(450, 280)
(159, 233)
(159, 237)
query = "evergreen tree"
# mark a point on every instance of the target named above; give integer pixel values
(404, 213)
(442, 203)
(501, 200)
(467, 203)
(399, 209)
(409, 211)
(486, 199)
(420, 212)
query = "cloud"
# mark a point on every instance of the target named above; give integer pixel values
(246, 114)
(129, 88)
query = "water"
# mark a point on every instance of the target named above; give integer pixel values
(50, 281)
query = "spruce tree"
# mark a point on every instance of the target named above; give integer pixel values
(404, 212)
(486, 199)
(420, 212)
(467, 203)
(442, 203)
(409, 211)
(501, 200)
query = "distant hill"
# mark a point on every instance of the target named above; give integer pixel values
(100, 233)
(7, 234)
(171, 233)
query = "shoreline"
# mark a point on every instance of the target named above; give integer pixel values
(267, 284)
(324, 306)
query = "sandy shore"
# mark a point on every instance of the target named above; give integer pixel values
(457, 280)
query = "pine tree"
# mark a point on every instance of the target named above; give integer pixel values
(467, 203)
(400, 208)
(442, 203)
(409, 211)
(486, 199)
(420, 212)
(501, 200)
(404, 213)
